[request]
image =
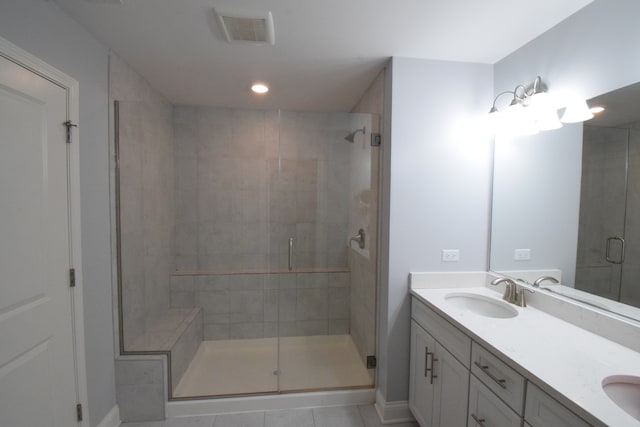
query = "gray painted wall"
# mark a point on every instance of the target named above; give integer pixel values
(590, 53)
(44, 30)
(439, 189)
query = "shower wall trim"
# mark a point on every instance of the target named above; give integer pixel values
(261, 271)
(270, 402)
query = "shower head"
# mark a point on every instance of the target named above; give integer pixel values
(352, 136)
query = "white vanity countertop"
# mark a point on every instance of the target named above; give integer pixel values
(566, 361)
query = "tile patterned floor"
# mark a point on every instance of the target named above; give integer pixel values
(337, 416)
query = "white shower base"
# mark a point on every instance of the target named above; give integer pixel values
(246, 366)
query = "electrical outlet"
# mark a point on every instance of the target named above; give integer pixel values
(450, 255)
(522, 254)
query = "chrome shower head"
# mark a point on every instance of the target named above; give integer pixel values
(352, 136)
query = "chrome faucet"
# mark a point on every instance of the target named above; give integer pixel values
(511, 292)
(541, 279)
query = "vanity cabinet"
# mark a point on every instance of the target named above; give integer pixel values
(439, 382)
(454, 381)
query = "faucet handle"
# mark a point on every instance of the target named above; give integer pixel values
(541, 279)
(520, 300)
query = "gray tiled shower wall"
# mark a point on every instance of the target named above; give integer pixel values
(238, 306)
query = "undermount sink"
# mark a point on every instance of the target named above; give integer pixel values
(481, 304)
(624, 391)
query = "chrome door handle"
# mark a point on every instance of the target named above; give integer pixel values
(485, 369)
(608, 250)
(290, 253)
(479, 421)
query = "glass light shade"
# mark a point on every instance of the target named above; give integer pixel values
(493, 121)
(544, 111)
(548, 120)
(576, 111)
(518, 121)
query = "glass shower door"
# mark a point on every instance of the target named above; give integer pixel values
(603, 200)
(324, 195)
(630, 286)
(223, 241)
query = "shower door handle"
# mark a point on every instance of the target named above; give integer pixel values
(608, 250)
(290, 253)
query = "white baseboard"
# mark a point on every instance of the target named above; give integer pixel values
(112, 419)
(392, 412)
(269, 402)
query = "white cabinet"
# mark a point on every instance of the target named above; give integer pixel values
(499, 377)
(485, 409)
(421, 390)
(456, 382)
(541, 410)
(439, 383)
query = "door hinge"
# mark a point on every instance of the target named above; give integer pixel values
(72, 277)
(69, 125)
(376, 139)
(79, 412)
(371, 362)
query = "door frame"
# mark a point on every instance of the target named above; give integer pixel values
(19, 56)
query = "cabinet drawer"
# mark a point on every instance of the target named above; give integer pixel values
(486, 410)
(455, 341)
(542, 410)
(506, 383)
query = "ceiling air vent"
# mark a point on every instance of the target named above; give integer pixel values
(244, 26)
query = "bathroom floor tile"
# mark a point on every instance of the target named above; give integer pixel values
(246, 419)
(143, 424)
(199, 421)
(370, 417)
(289, 418)
(338, 416)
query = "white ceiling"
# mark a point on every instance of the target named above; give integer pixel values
(326, 52)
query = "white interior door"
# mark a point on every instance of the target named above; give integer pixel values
(38, 384)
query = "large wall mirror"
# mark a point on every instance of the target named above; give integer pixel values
(569, 200)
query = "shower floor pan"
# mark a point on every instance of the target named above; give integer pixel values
(250, 366)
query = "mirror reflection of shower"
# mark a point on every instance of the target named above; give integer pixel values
(352, 136)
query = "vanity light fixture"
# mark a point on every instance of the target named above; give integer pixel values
(259, 88)
(532, 109)
(577, 111)
(596, 110)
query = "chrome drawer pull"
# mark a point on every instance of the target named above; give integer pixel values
(485, 369)
(429, 370)
(479, 421)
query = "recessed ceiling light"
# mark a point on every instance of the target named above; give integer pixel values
(260, 88)
(596, 110)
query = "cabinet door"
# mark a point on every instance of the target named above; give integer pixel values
(541, 410)
(421, 389)
(486, 409)
(452, 386)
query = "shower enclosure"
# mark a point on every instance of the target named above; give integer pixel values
(236, 255)
(609, 230)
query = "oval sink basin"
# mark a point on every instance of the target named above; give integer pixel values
(482, 305)
(624, 391)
